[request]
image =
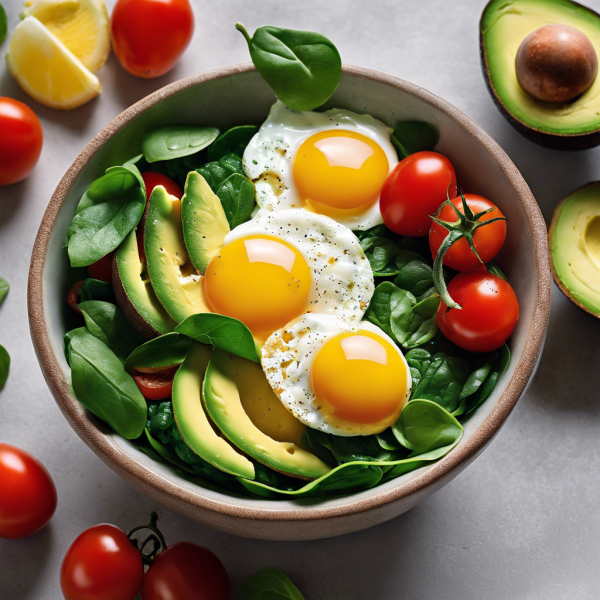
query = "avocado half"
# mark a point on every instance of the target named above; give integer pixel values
(575, 247)
(503, 26)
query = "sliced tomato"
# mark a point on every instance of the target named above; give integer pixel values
(102, 269)
(156, 386)
(73, 296)
(152, 179)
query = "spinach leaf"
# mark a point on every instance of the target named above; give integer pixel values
(428, 306)
(4, 365)
(414, 136)
(94, 289)
(474, 381)
(494, 269)
(387, 440)
(69, 336)
(381, 253)
(302, 68)
(104, 388)
(3, 24)
(415, 274)
(222, 332)
(110, 208)
(178, 168)
(218, 171)
(269, 583)
(236, 194)
(4, 287)
(233, 140)
(106, 322)
(348, 449)
(163, 351)
(423, 426)
(319, 444)
(175, 141)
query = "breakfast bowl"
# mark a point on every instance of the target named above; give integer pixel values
(237, 95)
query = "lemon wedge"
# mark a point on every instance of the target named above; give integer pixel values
(47, 70)
(83, 26)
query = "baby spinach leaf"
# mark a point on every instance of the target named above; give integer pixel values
(175, 141)
(178, 168)
(363, 448)
(110, 208)
(387, 440)
(414, 136)
(106, 322)
(3, 24)
(302, 68)
(104, 388)
(222, 332)
(236, 194)
(218, 171)
(163, 351)
(233, 140)
(320, 446)
(494, 269)
(427, 307)
(269, 583)
(415, 274)
(4, 288)
(69, 336)
(4, 365)
(474, 381)
(94, 289)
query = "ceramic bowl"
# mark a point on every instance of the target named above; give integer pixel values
(238, 95)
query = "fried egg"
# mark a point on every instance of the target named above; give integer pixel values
(283, 264)
(340, 378)
(331, 163)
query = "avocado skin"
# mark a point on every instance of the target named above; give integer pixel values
(555, 141)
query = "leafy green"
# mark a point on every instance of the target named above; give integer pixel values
(4, 366)
(106, 322)
(236, 194)
(3, 24)
(176, 141)
(4, 288)
(234, 141)
(269, 583)
(94, 289)
(302, 68)
(428, 306)
(222, 332)
(110, 208)
(104, 388)
(494, 269)
(414, 136)
(160, 420)
(415, 274)
(163, 351)
(216, 172)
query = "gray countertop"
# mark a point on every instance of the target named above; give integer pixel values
(521, 522)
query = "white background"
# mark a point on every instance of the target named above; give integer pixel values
(521, 522)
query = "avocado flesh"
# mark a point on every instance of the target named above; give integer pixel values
(203, 220)
(504, 25)
(575, 246)
(174, 279)
(134, 291)
(192, 421)
(223, 392)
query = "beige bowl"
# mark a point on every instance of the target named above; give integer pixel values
(238, 95)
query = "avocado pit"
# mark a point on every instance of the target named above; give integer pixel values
(556, 63)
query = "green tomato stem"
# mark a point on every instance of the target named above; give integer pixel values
(156, 537)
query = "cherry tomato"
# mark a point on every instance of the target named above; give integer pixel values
(27, 493)
(152, 179)
(487, 239)
(73, 296)
(21, 140)
(101, 564)
(490, 311)
(189, 571)
(102, 269)
(155, 386)
(414, 190)
(149, 36)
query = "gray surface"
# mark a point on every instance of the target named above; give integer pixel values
(521, 522)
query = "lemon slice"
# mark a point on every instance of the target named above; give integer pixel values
(83, 26)
(47, 70)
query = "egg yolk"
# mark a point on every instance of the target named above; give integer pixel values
(340, 170)
(360, 377)
(260, 280)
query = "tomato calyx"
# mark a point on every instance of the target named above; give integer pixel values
(464, 227)
(155, 537)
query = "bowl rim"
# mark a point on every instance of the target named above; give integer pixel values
(121, 462)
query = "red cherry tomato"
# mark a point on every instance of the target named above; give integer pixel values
(189, 571)
(487, 239)
(102, 269)
(101, 564)
(27, 493)
(155, 386)
(73, 297)
(149, 36)
(490, 311)
(152, 179)
(21, 140)
(414, 190)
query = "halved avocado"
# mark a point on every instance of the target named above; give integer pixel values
(203, 220)
(174, 279)
(229, 392)
(192, 421)
(134, 292)
(504, 25)
(575, 247)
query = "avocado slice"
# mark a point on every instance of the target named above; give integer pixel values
(228, 398)
(575, 247)
(134, 293)
(192, 421)
(504, 25)
(203, 220)
(174, 279)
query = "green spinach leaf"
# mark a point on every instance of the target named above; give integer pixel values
(236, 194)
(4, 288)
(94, 289)
(414, 136)
(163, 351)
(269, 583)
(233, 140)
(415, 273)
(176, 141)
(302, 68)
(218, 171)
(494, 269)
(3, 24)
(427, 307)
(4, 366)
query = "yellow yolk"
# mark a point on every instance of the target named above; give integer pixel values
(340, 170)
(360, 377)
(260, 280)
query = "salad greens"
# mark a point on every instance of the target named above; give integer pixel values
(233, 141)
(176, 141)
(4, 366)
(4, 288)
(236, 194)
(94, 289)
(164, 351)
(269, 583)
(217, 171)
(3, 24)
(414, 136)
